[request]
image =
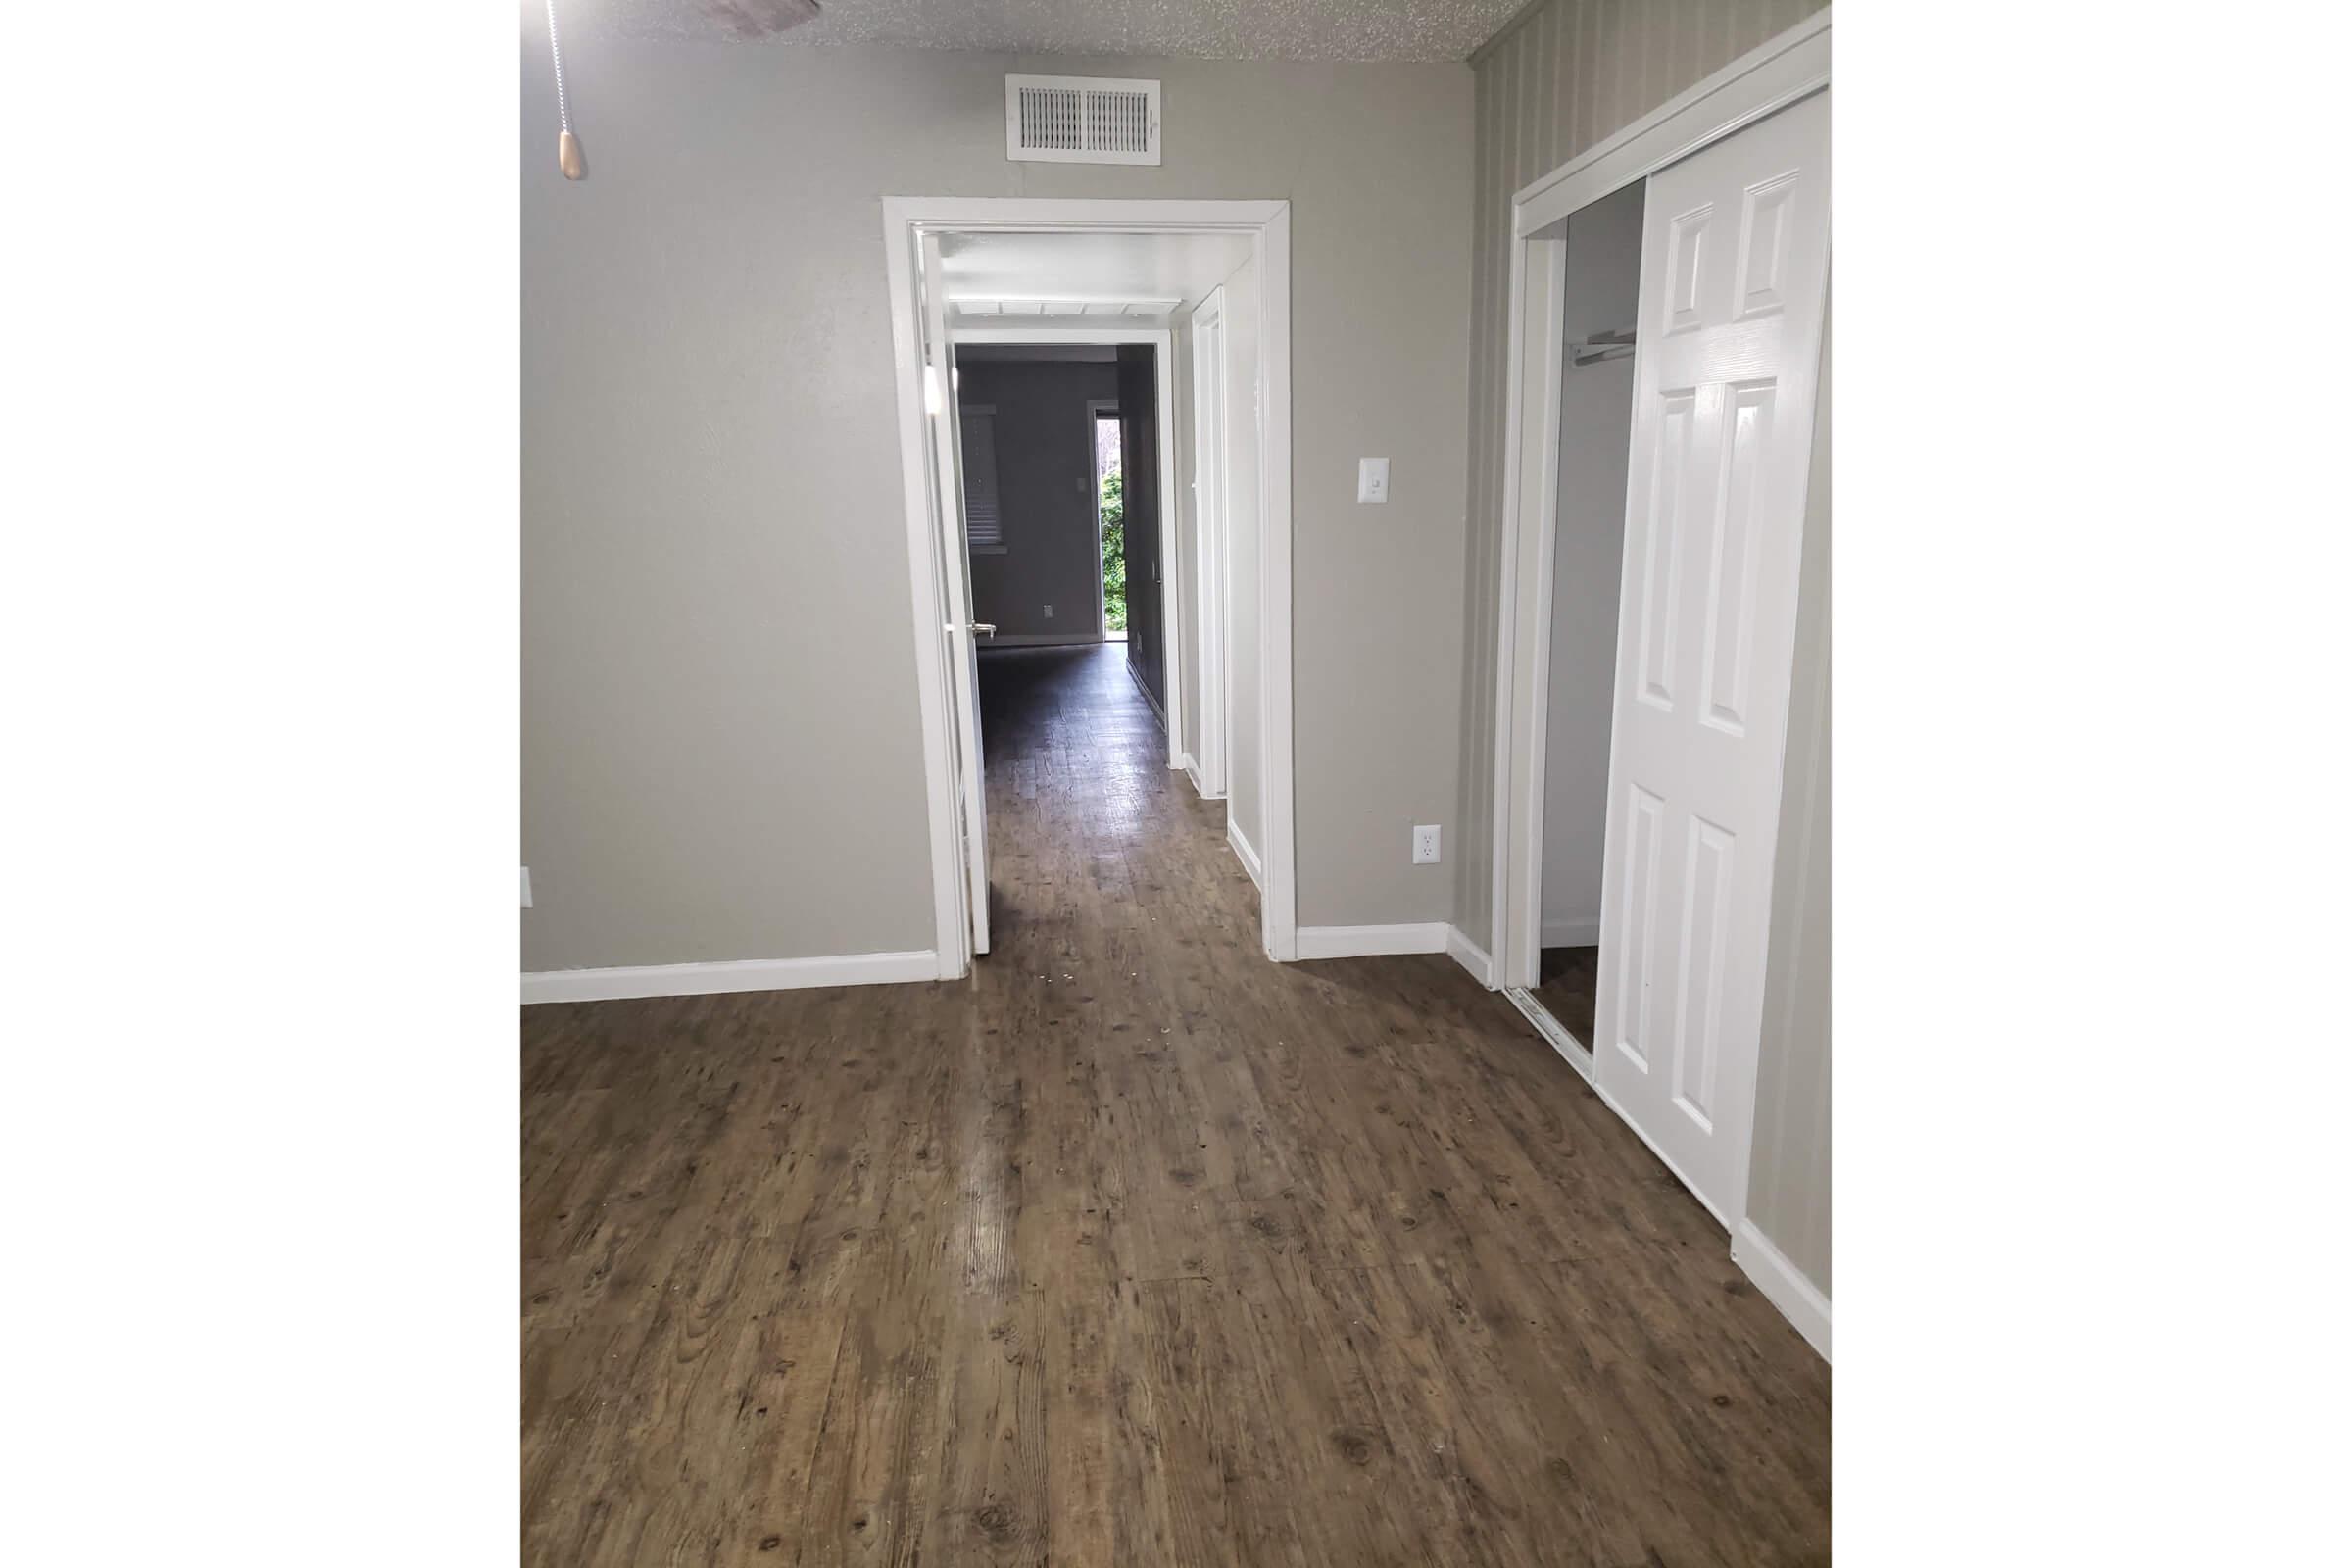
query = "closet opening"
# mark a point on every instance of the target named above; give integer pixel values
(1601, 300)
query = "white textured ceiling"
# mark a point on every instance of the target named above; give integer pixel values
(1199, 29)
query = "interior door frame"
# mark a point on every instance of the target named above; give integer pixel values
(906, 221)
(1770, 77)
(1212, 502)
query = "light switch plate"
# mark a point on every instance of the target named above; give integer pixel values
(1372, 480)
(526, 887)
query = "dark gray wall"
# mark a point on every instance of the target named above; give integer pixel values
(1045, 476)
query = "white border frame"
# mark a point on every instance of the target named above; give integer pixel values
(1767, 78)
(905, 220)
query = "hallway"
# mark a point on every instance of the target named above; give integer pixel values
(1133, 1247)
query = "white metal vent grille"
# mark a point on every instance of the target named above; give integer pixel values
(1081, 120)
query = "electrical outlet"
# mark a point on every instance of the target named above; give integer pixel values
(526, 887)
(1049, 611)
(1425, 845)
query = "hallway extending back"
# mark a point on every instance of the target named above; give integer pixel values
(1132, 1248)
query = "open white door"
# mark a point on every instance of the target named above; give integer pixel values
(963, 674)
(1734, 260)
(1208, 511)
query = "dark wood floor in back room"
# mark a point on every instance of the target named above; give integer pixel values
(1131, 1249)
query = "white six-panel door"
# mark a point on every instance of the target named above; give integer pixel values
(1735, 259)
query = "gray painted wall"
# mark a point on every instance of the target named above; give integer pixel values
(1045, 478)
(1587, 566)
(720, 752)
(1789, 1166)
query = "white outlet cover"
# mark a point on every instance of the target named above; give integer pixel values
(526, 887)
(1049, 611)
(1372, 480)
(1425, 845)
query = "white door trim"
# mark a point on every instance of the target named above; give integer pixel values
(1774, 75)
(1267, 224)
(1768, 78)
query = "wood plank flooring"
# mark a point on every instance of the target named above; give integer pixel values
(1131, 1249)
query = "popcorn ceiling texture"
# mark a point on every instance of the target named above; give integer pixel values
(1201, 29)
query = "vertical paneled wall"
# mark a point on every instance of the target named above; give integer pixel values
(1565, 77)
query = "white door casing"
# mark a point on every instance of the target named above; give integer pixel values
(1209, 511)
(1735, 264)
(962, 678)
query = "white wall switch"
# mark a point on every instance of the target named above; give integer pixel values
(1372, 480)
(526, 887)
(1425, 846)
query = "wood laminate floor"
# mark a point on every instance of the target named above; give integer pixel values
(1131, 1249)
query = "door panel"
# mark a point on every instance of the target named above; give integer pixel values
(962, 675)
(1733, 270)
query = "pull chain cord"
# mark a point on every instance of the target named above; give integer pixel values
(568, 146)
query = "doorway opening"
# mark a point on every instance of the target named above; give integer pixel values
(1110, 520)
(970, 273)
(1601, 298)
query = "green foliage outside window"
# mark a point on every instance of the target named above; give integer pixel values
(1115, 552)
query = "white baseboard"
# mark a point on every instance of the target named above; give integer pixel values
(1244, 852)
(1371, 940)
(1783, 1286)
(1584, 933)
(1470, 955)
(1181, 763)
(746, 974)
